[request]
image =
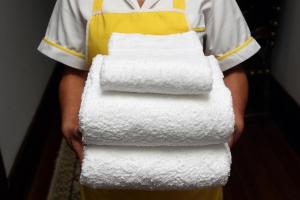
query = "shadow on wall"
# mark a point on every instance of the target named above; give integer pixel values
(25, 72)
(285, 65)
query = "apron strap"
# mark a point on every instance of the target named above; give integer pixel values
(97, 5)
(179, 4)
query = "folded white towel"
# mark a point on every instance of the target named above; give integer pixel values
(164, 74)
(142, 43)
(155, 168)
(120, 118)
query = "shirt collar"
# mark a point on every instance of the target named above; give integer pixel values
(147, 4)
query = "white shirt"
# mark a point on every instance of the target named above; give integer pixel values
(226, 34)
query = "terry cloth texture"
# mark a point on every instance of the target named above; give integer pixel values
(155, 168)
(153, 141)
(187, 73)
(120, 118)
(120, 43)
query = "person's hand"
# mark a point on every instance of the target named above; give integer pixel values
(70, 92)
(236, 81)
(73, 138)
(238, 130)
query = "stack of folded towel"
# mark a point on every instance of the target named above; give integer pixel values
(155, 115)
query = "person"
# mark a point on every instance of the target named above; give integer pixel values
(80, 29)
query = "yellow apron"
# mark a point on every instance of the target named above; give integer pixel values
(100, 27)
(102, 24)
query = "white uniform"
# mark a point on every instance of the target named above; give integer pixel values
(220, 25)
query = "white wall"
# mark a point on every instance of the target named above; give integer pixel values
(286, 57)
(24, 72)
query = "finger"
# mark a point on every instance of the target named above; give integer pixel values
(230, 142)
(77, 135)
(232, 139)
(78, 147)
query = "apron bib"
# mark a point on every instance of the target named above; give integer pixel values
(102, 24)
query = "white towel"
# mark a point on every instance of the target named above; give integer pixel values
(142, 43)
(120, 118)
(155, 168)
(164, 74)
(167, 64)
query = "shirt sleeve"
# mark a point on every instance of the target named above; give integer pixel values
(64, 40)
(228, 37)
